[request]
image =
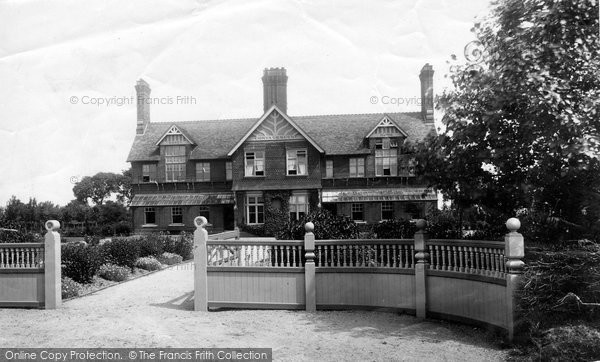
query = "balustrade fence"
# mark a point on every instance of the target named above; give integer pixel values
(469, 281)
(30, 272)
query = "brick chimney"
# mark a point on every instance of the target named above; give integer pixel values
(143, 106)
(426, 77)
(275, 88)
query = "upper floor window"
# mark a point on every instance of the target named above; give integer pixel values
(329, 168)
(255, 209)
(203, 171)
(228, 171)
(149, 172)
(175, 163)
(386, 157)
(176, 215)
(255, 163)
(357, 167)
(204, 211)
(296, 162)
(298, 206)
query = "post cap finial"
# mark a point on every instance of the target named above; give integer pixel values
(52, 225)
(421, 224)
(309, 227)
(200, 222)
(513, 224)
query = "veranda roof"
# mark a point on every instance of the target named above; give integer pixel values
(183, 199)
(382, 194)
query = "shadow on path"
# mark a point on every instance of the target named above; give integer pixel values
(183, 302)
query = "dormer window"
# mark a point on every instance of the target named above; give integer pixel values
(386, 158)
(174, 163)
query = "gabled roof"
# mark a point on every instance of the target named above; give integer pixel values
(263, 118)
(341, 134)
(174, 130)
(386, 122)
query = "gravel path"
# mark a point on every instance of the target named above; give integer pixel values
(157, 311)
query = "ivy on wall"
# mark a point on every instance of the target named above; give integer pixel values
(277, 210)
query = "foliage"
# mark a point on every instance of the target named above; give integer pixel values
(151, 245)
(113, 272)
(550, 276)
(102, 185)
(69, 288)
(19, 236)
(148, 263)
(395, 229)
(256, 230)
(276, 217)
(522, 131)
(122, 251)
(180, 245)
(327, 226)
(80, 262)
(570, 343)
(170, 258)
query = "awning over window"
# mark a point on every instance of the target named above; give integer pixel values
(182, 199)
(365, 195)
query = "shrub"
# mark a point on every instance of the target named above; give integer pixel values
(81, 262)
(170, 258)
(570, 343)
(256, 230)
(151, 244)
(114, 272)
(122, 251)
(327, 226)
(19, 236)
(70, 288)
(122, 228)
(395, 229)
(148, 263)
(550, 276)
(180, 245)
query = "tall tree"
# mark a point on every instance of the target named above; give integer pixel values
(523, 129)
(98, 187)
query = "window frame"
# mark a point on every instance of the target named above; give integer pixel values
(294, 154)
(297, 208)
(259, 209)
(359, 164)
(151, 176)
(205, 171)
(361, 211)
(387, 206)
(328, 168)
(228, 171)
(386, 157)
(254, 163)
(175, 163)
(179, 214)
(150, 209)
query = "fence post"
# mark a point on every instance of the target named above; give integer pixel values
(200, 261)
(514, 251)
(422, 264)
(52, 266)
(309, 268)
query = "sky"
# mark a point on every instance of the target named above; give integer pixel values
(68, 70)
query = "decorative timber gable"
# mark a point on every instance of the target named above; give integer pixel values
(275, 125)
(386, 128)
(174, 136)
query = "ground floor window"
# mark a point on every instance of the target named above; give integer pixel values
(255, 209)
(204, 211)
(176, 215)
(413, 210)
(149, 215)
(358, 213)
(387, 210)
(298, 206)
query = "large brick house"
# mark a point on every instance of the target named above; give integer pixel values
(243, 171)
